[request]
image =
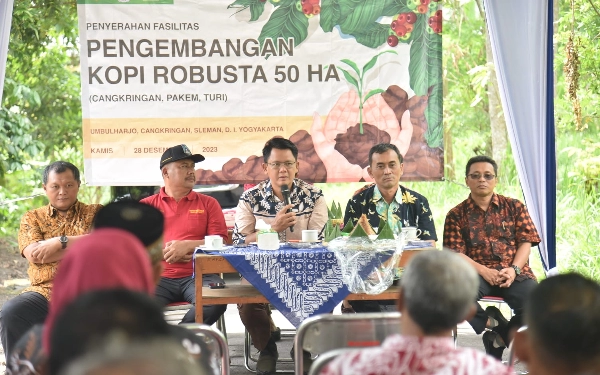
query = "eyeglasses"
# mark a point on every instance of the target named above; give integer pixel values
(278, 165)
(477, 176)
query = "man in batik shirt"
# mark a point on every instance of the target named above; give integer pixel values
(437, 292)
(308, 210)
(388, 200)
(495, 234)
(45, 235)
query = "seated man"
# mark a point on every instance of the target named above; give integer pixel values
(563, 327)
(437, 290)
(495, 234)
(45, 235)
(308, 210)
(387, 199)
(189, 216)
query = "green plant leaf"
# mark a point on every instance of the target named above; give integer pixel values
(357, 16)
(285, 22)
(374, 35)
(257, 7)
(349, 78)
(353, 65)
(425, 69)
(348, 227)
(386, 232)
(372, 62)
(393, 7)
(371, 93)
(358, 231)
(329, 16)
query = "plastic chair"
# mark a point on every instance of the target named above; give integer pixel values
(174, 312)
(326, 332)
(215, 340)
(323, 359)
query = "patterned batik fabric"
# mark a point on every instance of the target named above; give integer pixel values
(491, 238)
(409, 208)
(410, 355)
(260, 203)
(300, 283)
(44, 223)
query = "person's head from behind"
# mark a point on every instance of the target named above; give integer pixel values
(142, 220)
(438, 291)
(97, 316)
(280, 158)
(562, 316)
(61, 183)
(107, 258)
(155, 357)
(385, 165)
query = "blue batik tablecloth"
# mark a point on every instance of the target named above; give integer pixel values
(300, 283)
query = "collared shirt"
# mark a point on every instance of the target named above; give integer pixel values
(491, 238)
(193, 217)
(44, 223)
(410, 355)
(260, 203)
(408, 207)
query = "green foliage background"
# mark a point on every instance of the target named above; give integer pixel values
(40, 115)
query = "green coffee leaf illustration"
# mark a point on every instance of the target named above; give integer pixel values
(360, 16)
(285, 22)
(374, 35)
(257, 7)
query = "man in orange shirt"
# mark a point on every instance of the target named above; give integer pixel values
(189, 216)
(45, 235)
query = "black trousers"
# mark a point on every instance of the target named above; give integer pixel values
(183, 290)
(515, 296)
(18, 315)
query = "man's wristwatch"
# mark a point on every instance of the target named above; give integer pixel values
(63, 240)
(517, 269)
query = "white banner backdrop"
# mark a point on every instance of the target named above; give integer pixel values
(225, 76)
(6, 7)
(519, 35)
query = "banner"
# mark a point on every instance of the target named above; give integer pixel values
(6, 7)
(223, 77)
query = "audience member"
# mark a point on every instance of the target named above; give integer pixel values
(107, 258)
(388, 200)
(156, 357)
(563, 327)
(121, 315)
(495, 235)
(189, 216)
(307, 210)
(44, 236)
(437, 292)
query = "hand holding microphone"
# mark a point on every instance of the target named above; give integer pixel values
(285, 191)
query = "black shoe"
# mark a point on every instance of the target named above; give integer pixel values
(495, 314)
(306, 360)
(488, 343)
(267, 359)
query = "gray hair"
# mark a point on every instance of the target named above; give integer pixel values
(156, 357)
(439, 288)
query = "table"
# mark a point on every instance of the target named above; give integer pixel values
(295, 310)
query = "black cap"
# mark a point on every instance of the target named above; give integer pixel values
(179, 152)
(142, 220)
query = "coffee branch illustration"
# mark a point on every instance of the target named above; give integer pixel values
(359, 83)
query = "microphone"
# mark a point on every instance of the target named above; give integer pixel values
(285, 191)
